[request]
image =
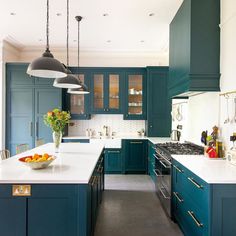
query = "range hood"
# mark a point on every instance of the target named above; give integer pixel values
(195, 48)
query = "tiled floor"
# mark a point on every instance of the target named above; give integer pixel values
(131, 208)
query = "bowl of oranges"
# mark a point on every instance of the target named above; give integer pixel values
(37, 161)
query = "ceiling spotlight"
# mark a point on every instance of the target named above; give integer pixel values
(151, 14)
(58, 14)
(142, 41)
(105, 14)
(74, 40)
(109, 41)
(12, 13)
(40, 40)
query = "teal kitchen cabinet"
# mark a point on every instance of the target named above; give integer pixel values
(28, 99)
(135, 156)
(201, 208)
(158, 123)
(195, 48)
(106, 91)
(113, 161)
(151, 161)
(79, 104)
(135, 94)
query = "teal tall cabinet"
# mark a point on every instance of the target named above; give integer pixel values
(28, 99)
(158, 122)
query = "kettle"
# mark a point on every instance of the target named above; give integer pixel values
(175, 135)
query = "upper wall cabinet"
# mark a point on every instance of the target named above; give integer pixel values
(158, 123)
(135, 94)
(106, 91)
(195, 48)
(79, 104)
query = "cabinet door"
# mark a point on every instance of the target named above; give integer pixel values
(13, 216)
(158, 122)
(20, 118)
(135, 156)
(46, 99)
(106, 91)
(98, 82)
(135, 100)
(78, 104)
(113, 161)
(52, 211)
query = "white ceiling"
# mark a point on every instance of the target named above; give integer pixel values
(127, 24)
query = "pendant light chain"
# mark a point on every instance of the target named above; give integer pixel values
(47, 27)
(67, 37)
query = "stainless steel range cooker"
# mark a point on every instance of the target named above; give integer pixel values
(163, 165)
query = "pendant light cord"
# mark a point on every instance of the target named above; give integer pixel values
(67, 37)
(78, 18)
(47, 27)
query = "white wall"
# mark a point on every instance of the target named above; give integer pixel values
(8, 53)
(209, 109)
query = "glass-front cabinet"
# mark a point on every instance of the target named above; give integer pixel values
(106, 91)
(135, 99)
(79, 104)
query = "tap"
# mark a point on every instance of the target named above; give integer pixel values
(105, 127)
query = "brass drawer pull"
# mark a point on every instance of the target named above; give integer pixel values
(113, 151)
(195, 219)
(195, 183)
(21, 190)
(178, 169)
(136, 142)
(177, 196)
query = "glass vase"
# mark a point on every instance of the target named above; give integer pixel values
(57, 136)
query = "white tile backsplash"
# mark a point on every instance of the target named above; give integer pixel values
(114, 122)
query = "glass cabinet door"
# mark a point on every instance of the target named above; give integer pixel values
(78, 103)
(114, 92)
(106, 92)
(135, 94)
(98, 87)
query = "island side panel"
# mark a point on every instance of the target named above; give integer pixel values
(223, 209)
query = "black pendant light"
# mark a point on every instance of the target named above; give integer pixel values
(46, 66)
(84, 88)
(70, 81)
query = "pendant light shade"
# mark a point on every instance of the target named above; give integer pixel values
(70, 81)
(83, 89)
(46, 66)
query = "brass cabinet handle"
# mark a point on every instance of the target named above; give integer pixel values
(113, 151)
(195, 183)
(178, 169)
(197, 222)
(136, 142)
(177, 196)
(21, 190)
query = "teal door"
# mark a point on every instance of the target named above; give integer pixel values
(135, 152)
(20, 118)
(46, 99)
(13, 216)
(113, 161)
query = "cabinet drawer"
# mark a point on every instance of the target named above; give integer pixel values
(191, 218)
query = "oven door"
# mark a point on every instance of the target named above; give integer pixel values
(163, 182)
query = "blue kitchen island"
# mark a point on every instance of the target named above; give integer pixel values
(60, 200)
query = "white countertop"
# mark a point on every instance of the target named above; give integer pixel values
(74, 165)
(210, 170)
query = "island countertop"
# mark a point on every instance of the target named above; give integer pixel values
(210, 170)
(74, 165)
